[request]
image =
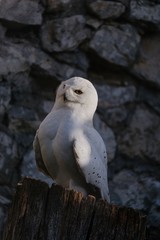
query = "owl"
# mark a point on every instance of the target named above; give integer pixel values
(67, 146)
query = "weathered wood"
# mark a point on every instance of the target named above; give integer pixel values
(27, 211)
(42, 213)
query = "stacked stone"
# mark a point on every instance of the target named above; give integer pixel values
(114, 44)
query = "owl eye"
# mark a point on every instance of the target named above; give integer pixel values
(79, 92)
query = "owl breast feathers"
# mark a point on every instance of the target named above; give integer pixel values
(67, 146)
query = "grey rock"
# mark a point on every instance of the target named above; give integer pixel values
(64, 34)
(116, 45)
(8, 158)
(2, 221)
(145, 12)
(154, 217)
(47, 106)
(147, 66)
(5, 201)
(142, 136)
(21, 11)
(20, 112)
(152, 186)
(94, 22)
(116, 116)
(2, 32)
(76, 59)
(125, 2)
(22, 119)
(5, 97)
(39, 60)
(42, 65)
(112, 100)
(150, 97)
(107, 135)
(24, 141)
(12, 59)
(29, 96)
(127, 190)
(112, 96)
(5, 195)
(139, 192)
(110, 76)
(107, 9)
(23, 57)
(65, 7)
(21, 82)
(29, 168)
(22, 90)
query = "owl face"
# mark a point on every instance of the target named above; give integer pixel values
(72, 93)
(77, 92)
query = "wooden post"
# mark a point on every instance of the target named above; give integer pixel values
(39, 212)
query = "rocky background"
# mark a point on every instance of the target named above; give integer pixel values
(114, 44)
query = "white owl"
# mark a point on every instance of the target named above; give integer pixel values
(67, 146)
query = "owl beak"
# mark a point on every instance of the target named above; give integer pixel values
(64, 97)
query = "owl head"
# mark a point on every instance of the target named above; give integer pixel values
(77, 94)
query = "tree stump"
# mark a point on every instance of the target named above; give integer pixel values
(39, 212)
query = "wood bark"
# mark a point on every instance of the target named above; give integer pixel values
(42, 213)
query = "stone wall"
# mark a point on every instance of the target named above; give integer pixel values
(114, 44)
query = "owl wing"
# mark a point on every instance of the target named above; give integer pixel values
(43, 145)
(90, 158)
(38, 155)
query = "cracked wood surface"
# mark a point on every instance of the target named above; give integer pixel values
(39, 212)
